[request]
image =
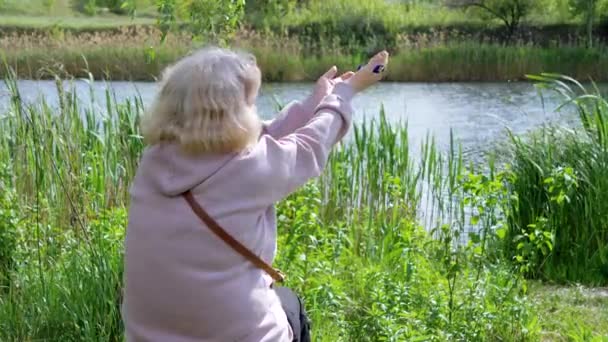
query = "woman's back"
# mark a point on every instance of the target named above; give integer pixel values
(188, 274)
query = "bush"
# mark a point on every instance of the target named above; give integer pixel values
(559, 221)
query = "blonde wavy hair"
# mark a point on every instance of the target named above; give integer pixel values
(206, 103)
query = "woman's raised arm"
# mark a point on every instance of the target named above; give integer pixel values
(297, 113)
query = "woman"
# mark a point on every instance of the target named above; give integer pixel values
(183, 283)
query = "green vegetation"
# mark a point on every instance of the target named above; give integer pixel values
(75, 8)
(431, 41)
(382, 246)
(134, 54)
(17, 22)
(37, 7)
(509, 12)
(560, 181)
(359, 255)
(364, 265)
(589, 10)
(581, 311)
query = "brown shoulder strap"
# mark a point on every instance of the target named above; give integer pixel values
(237, 246)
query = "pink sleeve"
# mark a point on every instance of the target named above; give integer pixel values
(280, 166)
(293, 116)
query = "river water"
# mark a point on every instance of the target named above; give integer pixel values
(477, 113)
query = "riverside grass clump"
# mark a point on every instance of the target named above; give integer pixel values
(559, 224)
(351, 242)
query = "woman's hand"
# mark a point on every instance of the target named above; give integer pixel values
(365, 77)
(370, 73)
(326, 83)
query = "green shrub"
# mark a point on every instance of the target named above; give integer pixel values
(558, 226)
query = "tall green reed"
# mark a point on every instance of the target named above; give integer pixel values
(557, 224)
(65, 143)
(69, 168)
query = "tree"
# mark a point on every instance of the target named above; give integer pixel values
(589, 10)
(210, 20)
(266, 13)
(510, 12)
(213, 20)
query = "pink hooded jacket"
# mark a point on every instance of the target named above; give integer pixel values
(184, 284)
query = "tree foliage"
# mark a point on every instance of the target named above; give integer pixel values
(589, 11)
(263, 11)
(509, 12)
(213, 20)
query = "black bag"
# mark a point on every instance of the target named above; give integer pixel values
(296, 314)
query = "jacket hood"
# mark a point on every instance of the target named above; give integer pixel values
(171, 172)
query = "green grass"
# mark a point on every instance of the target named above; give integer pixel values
(37, 7)
(573, 313)
(125, 63)
(66, 8)
(559, 218)
(71, 22)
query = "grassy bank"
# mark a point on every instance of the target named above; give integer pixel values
(133, 53)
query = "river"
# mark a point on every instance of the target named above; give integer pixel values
(477, 113)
